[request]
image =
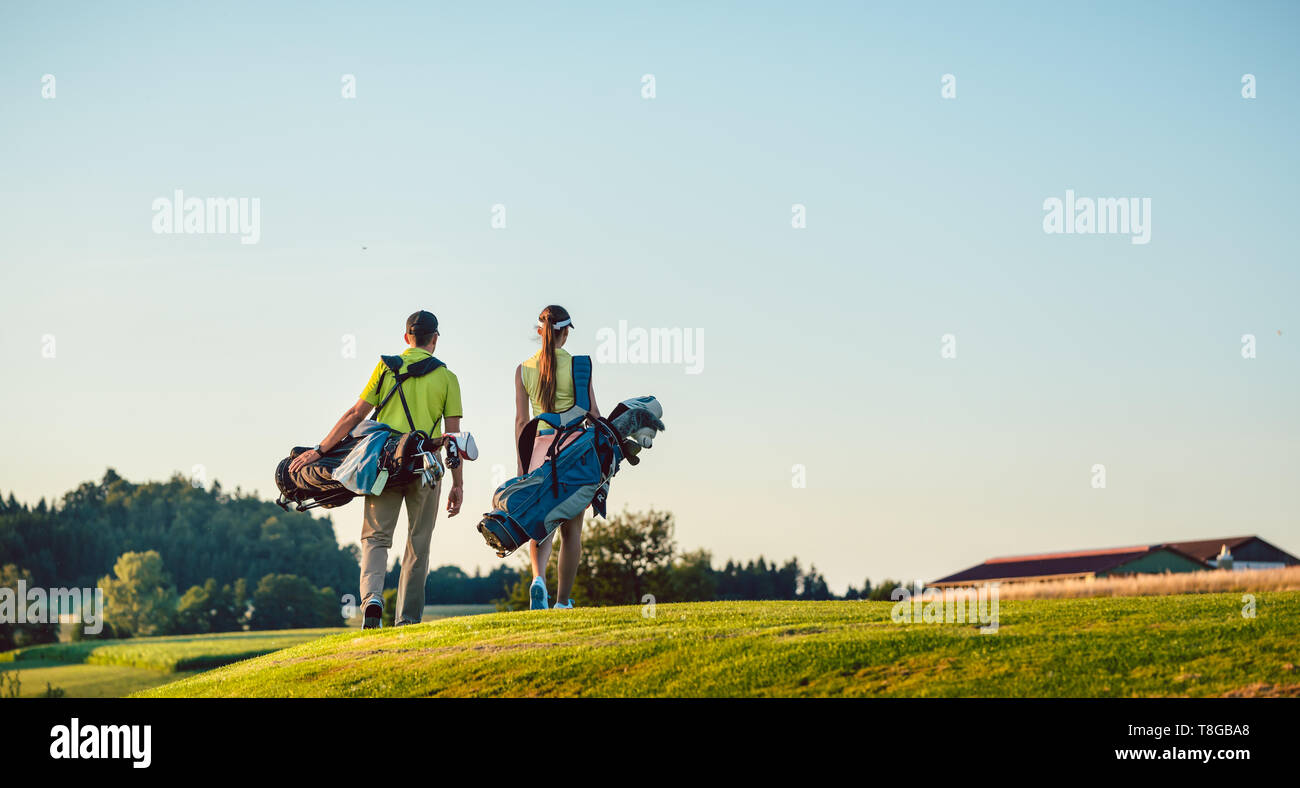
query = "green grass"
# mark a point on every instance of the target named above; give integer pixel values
(1193, 645)
(170, 654)
(435, 612)
(84, 681)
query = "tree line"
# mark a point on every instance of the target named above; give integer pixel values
(632, 558)
(140, 600)
(230, 550)
(198, 533)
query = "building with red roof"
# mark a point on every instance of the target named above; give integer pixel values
(1245, 552)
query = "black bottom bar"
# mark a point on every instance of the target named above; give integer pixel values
(188, 738)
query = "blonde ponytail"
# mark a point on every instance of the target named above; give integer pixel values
(546, 364)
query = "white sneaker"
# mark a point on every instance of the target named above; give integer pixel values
(562, 606)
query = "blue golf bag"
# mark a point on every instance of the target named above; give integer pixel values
(582, 458)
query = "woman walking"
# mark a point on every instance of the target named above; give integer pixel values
(544, 382)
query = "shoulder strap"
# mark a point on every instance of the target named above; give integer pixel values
(422, 367)
(581, 396)
(394, 364)
(582, 382)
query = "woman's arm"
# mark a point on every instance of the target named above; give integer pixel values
(521, 410)
(591, 396)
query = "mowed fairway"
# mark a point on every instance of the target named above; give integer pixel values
(1197, 645)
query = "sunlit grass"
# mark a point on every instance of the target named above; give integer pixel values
(1124, 646)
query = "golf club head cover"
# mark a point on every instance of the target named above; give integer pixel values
(465, 445)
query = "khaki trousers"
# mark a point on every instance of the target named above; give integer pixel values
(377, 536)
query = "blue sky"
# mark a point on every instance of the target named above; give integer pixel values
(821, 345)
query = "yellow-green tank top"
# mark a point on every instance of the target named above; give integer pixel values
(530, 373)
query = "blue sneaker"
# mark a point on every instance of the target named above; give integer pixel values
(537, 597)
(562, 606)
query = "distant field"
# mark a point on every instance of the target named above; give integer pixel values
(84, 681)
(170, 654)
(1190, 645)
(1214, 581)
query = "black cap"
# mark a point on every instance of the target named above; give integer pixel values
(421, 322)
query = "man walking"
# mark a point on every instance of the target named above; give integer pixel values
(434, 400)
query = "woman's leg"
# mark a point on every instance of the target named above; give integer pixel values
(570, 552)
(540, 555)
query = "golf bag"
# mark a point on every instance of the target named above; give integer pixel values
(370, 459)
(583, 457)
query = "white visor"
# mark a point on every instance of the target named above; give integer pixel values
(566, 322)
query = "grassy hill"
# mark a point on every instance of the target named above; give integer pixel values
(1174, 645)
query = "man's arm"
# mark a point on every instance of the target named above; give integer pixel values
(350, 419)
(452, 424)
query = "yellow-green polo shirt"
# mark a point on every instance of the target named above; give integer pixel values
(432, 397)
